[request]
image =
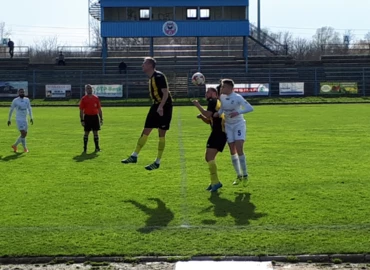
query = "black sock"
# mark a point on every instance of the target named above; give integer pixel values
(96, 141)
(86, 139)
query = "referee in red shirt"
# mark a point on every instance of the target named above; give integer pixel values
(91, 116)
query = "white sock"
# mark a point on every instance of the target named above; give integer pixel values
(158, 161)
(18, 141)
(236, 164)
(134, 154)
(243, 164)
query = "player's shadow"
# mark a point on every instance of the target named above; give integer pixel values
(241, 209)
(159, 217)
(85, 156)
(11, 157)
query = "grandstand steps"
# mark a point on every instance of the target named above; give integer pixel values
(345, 60)
(14, 64)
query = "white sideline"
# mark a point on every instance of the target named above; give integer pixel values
(223, 265)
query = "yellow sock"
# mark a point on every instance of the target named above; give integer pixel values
(213, 172)
(161, 145)
(140, 143)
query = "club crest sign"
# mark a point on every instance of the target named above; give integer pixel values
(170, 28)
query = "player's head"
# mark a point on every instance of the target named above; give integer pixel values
(227, 86)
(149, 64)
(218, 88)
(21, 92)
(88, 89)
(211, 93)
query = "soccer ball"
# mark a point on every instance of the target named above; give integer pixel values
(198, 79)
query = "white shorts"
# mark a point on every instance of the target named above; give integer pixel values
(236, 132)
(22, 125)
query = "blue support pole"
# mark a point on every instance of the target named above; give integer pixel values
(151, 49)
(104, 52)
(245, 52)
(198, 52)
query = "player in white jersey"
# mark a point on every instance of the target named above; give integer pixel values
(233, 106)
(22, 106)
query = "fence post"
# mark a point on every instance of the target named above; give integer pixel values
(363, 82)
(34, 84)
(270, 85)
(81, 83)
(126, 87)
(315, 82)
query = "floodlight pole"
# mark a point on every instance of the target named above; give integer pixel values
(88, 11)
(259, 19)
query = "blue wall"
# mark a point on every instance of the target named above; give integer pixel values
(171, 3)
(185, 29)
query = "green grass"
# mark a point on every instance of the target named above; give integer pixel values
(308, 191)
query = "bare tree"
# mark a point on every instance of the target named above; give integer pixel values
(96, 40)
(327, 40)
(367, 37)
(4, 32)
(45, 50)
(302, 49)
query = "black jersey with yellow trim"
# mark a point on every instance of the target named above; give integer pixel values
(157, 82)
(217, 123)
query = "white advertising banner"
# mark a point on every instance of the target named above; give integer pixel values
(58, 90)
(107, 90)
(291, 88)
(249, 89)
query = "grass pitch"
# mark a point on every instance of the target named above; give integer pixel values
(308, 189)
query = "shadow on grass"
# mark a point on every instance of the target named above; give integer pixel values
(241, 209)
(158, 217)
(11, 157)
(85, 156)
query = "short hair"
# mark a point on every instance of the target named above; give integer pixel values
(151, 60)
(212, 89)
(229, 82)
(218, 88)
(20, 89)
(88, 85)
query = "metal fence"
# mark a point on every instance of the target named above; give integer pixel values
(134, 83)
(18, 52)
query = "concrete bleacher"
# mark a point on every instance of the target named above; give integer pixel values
(14, 63)
(348, 68)
(82, 63)
(346, 60)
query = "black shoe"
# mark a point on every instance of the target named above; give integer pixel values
(97, 150)
(130, 159)
(152, 166)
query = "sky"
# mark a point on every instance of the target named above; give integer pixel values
(34, 20)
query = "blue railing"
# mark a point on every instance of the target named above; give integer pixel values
(135, 83)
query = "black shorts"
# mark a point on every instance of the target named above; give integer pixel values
(217, 140)
(154, 120)
(91, 122)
